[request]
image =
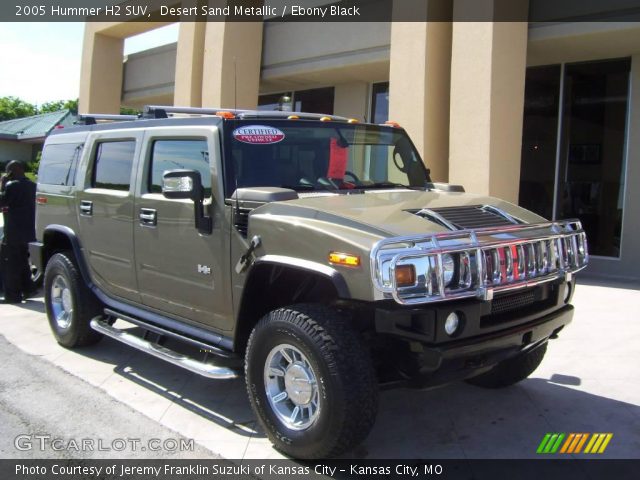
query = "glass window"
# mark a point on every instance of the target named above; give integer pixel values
(592, 155)
(320, 157)
(179, 154)
(280, 102)
(59, 163)
(539, 139)
(317, 100)
(590, 163)
(113, 164)
(380, 102)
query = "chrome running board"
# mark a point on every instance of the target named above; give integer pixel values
(201, 368)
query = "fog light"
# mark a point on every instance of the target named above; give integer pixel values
(452, 323)
(567, 292)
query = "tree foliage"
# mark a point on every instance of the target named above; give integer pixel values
(59, 105)
(13, 107)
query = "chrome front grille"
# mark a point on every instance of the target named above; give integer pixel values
(485, 261)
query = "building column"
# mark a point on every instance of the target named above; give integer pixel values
(419, 82)
(351, 99)
(189, 64)
(488, 67)
(232, 59)
(101, 72)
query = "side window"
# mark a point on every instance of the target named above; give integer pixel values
(59, 163)
(113, 164)
(179, 154)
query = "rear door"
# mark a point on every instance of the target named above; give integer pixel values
(180, 271)
(105, 211)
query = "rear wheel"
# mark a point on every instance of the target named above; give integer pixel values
(512, 370)
(310, 381)
(69, 303)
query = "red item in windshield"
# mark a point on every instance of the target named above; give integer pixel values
(337, 160)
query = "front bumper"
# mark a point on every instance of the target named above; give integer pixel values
(425, 355)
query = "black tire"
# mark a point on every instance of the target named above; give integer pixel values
(75, 332)
(512, 370)
(347, 388)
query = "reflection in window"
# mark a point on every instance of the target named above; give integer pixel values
(592, 153)
(181, 155)
(380, 102)
(59, 162)
(112, 168)
(280, 102)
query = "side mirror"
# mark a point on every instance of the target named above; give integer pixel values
(187, 184)
(182, 184)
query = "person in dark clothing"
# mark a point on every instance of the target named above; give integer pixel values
(18, 202)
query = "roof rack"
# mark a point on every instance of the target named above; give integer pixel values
(161, 111)
(92, 118)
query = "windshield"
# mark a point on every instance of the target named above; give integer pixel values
(309, 156)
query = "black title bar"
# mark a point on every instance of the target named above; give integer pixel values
(319, 11)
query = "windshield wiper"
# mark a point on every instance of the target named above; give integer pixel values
(305, 188)
(385, 184)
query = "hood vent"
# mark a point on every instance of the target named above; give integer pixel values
(467, 217)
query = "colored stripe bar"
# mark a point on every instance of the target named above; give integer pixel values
(543, 443)
(594, 437)
(604, 445)
(550, 443)
(567, 443)
(582, 442)
(555, 447)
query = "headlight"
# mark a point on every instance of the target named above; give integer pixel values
(448, 267)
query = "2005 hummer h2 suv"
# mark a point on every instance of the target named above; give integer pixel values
(312, 253)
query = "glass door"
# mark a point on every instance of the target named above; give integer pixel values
(591, 179)
(575, 167)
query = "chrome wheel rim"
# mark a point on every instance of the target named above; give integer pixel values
(292, 388)
(61, 302)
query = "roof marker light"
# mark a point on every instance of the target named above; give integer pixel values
(391, 123)
(325, 119)
(353, 120)
(225, 114)
(293, 117)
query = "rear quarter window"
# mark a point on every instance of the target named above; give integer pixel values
(59, 163)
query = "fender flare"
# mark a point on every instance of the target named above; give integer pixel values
(326, 271)
(75, 246)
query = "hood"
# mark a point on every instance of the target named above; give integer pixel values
(389, 212)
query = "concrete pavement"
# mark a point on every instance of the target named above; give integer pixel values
(589, 382)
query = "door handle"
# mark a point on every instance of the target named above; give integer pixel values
(86, 208)
(148, 217)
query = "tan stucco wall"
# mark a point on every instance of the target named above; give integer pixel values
(350, 100)
(231, 72)
(419, 85)
(487, 100)
(15, 151)
(189, 64)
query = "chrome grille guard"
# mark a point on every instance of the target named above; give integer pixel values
(477, 263)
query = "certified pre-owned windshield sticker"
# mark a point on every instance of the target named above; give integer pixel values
(258, 134)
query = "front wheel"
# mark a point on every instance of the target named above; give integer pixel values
(69, 303)
(310, 381)
(512, 370)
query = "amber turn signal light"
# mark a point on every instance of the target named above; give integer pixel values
(405, 275)
(344, 259)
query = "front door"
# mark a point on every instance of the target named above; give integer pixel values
(180, 271)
